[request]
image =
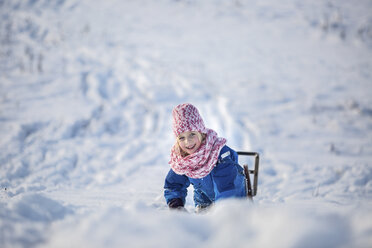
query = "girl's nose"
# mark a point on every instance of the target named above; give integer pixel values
(188, 140)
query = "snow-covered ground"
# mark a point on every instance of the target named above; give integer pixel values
(86, 93)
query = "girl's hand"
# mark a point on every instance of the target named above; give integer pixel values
(175, 203)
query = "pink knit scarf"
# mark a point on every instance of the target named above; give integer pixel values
(200, 163)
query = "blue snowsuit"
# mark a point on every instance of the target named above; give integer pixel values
(224, 181)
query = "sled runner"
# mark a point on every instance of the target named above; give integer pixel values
(251, 191)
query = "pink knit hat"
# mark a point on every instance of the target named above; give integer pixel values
(186, 117)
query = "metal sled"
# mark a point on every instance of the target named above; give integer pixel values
(251, 192)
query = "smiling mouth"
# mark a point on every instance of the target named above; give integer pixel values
(190, 148)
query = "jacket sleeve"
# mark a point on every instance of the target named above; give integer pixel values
(225, 173)
(175, 186)
(224, 176)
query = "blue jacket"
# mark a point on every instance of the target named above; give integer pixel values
(225, 180)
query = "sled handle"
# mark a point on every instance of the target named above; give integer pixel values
(255, 171)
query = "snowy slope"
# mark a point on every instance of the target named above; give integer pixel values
(86, 93)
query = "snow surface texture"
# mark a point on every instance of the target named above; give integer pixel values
(86, 93)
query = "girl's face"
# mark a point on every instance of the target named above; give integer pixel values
(189, 141)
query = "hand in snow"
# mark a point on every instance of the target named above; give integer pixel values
(175, 203)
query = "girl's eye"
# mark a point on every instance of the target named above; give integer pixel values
(181, 138)
(192, 135)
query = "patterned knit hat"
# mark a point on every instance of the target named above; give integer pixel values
(186, 117)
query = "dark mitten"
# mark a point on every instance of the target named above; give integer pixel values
(175, 203)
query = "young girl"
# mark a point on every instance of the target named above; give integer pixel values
(201, 158)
